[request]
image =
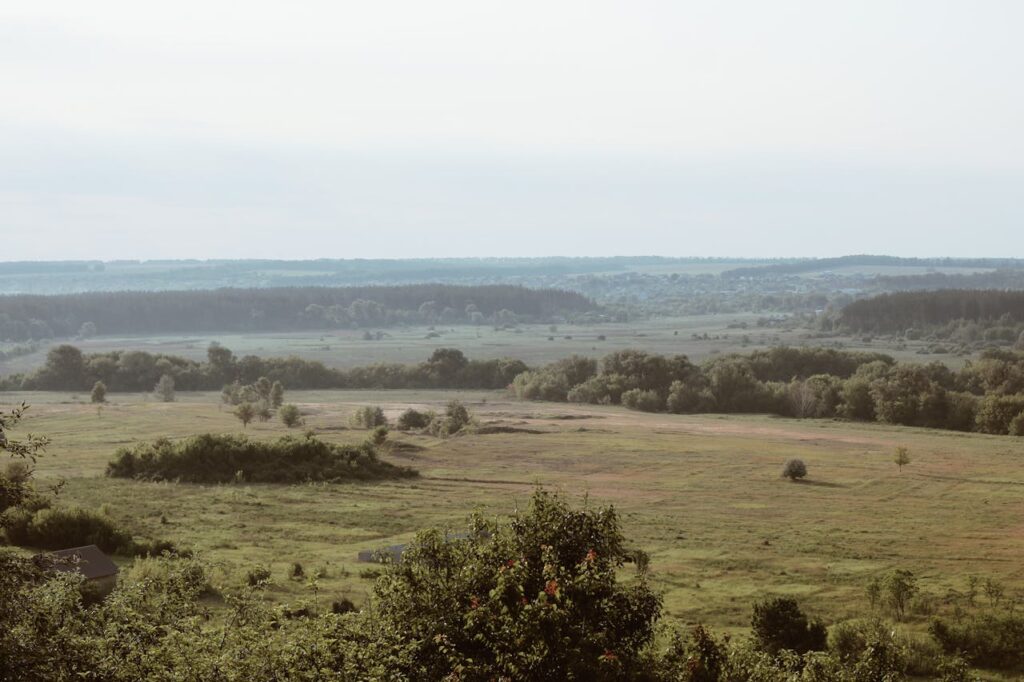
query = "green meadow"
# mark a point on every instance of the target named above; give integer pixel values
(701, 494)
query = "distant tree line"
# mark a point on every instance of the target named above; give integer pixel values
(68, 369)
(24, 317)
(986, 395)
(799, 266)
(926, 310)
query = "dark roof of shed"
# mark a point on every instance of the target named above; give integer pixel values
(90, 561)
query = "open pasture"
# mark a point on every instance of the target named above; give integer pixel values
(701, 494)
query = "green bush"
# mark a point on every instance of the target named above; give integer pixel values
(290, 415)
(213, 458)
(994, 640)
(778, 624)
(456, 417)
(61, 528)
(1016, 427)
(645, 401)
(379, 436)
(794, 469)
(369, 417)
(414, 419)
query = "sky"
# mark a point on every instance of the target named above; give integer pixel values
(480, 128)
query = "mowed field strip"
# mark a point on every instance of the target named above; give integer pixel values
(701, 494)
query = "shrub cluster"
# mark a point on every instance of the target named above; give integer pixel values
(213, 458)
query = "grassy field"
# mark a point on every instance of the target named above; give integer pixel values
(701, 494)
(534, 344)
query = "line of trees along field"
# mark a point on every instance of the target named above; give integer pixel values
(987, 395)
(24, 317)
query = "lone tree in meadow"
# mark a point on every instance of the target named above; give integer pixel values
(794, 469)
(901, 457)
(99, 392)
(164, 389)
(290, 415)
(245, 413)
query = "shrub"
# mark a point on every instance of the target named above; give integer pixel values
(379, 436)
(99, 392)
(212, 458)
(993, 640)
(779, 624)
(257, 576)
(61, 528)
(290, 415)
(414, 419)
(343, 605)
(794, 469)
(1016, 427)
(645, 401)
(538, 598)
(369, 417)
(164, 389)
(455, 418)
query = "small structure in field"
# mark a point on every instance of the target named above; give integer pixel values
(91, 563)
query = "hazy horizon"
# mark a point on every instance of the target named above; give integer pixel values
(468, 129)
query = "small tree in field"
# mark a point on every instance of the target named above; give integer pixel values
(901, 457)
(245, 413)
(277, 395)
(794, 469)
(164, 389)
(379, 435)
(99, 392)
(290, 415)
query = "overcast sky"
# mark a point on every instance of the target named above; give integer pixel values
(457, 128)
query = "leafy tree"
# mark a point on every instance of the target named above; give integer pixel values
(164, 389)
(245, 413)
(538, 598)
(290, 415)
(379, 436)
(899, 586)
(99, 393)
(277, 395)
(87, 330)
(1016, 426)
(901, 457)
(794, 469)
(778, 624)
